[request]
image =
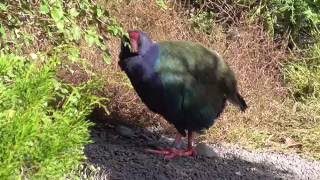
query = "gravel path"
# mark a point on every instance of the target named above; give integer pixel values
(119, 152)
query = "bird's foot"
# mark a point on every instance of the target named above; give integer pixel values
(173, 152)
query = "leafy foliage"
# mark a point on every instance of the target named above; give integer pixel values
(162, 4)
(296, 17)
(304, 79)
(23, 23)
(42, 127)
(42, 120)
(304, 75)
(202, 21)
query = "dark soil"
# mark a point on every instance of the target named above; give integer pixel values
(124, 158)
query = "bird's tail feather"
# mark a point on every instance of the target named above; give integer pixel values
(238, 100)
(230, 87)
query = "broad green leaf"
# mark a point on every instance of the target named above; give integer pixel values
(162, 4)
(73, 12)
(99, 12)
(107, 58)
(92, 37)
(85, 5)
(73, 54)
(76, 32)
(3, 7)
(44, 9)
(57, 13)
(102, 46)
(3, 33)
(60, 24)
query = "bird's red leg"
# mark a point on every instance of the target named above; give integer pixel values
(177, 142)
(189, 152)
(173, 152)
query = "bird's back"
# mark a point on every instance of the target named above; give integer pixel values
(191, 76)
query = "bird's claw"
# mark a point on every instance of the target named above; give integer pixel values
(161, 151)
(173, 152)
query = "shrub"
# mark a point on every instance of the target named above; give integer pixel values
(304, 79)
(44, 24)
(42, 121)
(303, 75)
(298, 18)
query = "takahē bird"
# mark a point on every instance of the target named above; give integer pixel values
(183, 81)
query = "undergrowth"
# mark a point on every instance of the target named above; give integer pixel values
(29, 24)
(43, 127)
(42, 121)
(303, 77)
(303, 74)
(294, 18)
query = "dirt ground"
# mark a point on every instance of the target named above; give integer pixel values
(121, 155)
(125, 159)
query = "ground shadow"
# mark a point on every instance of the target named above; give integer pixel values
(124, 158)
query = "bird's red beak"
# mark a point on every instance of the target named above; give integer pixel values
(134, 46)
(134, 39)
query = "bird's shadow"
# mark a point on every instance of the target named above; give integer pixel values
(124, 158)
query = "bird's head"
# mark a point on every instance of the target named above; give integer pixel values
(139, 41)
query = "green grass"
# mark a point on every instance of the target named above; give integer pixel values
(42, 121)
(303, 79)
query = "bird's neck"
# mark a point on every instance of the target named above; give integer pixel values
(151, 55)
(142, 66)
(146, 46)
